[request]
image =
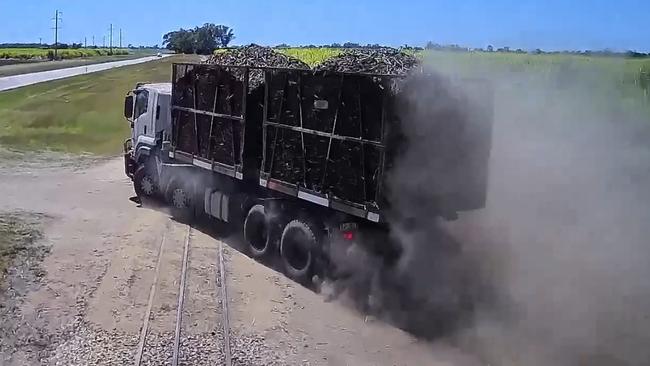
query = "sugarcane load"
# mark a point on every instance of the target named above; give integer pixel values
(300, 159)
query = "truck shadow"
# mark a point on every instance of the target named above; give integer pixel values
(415, 302)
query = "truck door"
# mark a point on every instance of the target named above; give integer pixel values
(142, 115)
(163, 115)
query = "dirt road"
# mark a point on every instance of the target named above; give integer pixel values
(90, 306)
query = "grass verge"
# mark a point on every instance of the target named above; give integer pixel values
(24, 68)
(82, 114)
(28, 53)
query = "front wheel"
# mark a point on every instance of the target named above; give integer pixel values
(145, 183)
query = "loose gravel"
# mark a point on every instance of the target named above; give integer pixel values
(253, 350)
(14, 162)
(21, 254)
(83, 344)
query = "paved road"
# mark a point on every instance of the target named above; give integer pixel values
(17, 81)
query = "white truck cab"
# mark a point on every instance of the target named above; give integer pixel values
(148, 110)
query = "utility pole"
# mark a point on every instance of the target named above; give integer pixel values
(40, 41)
(103, 41)
(85, 42)
(93, 41)
(110, 52)
(57, 19)
(120, 37)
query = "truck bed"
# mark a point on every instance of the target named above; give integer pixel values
(329, 138)
(209, 114)
(325, 137)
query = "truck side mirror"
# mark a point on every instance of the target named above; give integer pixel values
(166, 146)
(128, 106)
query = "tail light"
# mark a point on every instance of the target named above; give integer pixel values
(348, 231)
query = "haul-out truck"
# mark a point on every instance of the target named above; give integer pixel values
(295, 159)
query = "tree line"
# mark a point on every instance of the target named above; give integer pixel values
(201, 40)
(63, 46)
(538, 51)
(207, 38)
(458, 48)
(59, 45)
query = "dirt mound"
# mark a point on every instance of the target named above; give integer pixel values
(256, 56)
(387, 61)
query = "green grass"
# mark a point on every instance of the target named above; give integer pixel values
(29, 53)
(618, 72)
(625, 81)
(84, 114)
(38, 66)
(533, 63)
(78, 114)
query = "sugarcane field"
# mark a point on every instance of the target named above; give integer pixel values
(301, 184)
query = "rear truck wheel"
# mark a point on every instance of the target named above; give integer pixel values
(257, 233)
(145, 183)
(300, 251)
(181, 202)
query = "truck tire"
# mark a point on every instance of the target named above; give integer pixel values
(145, 184)
(257, 234)
(181, 201)
(299, 249)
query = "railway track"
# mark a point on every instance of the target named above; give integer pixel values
(177, 357)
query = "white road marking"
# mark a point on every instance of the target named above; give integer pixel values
(17, 81)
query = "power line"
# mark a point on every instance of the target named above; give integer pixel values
(57, 19)
(110, 52)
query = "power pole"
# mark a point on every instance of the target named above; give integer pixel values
(120, 37)
(110, 52)
(103, 41)
(40, 41)
(57, 18)
(93, 41)
(85, 42)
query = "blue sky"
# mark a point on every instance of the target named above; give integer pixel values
(528, 24)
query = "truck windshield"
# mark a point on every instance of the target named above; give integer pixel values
(141, 101)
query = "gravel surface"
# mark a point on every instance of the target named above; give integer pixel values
(20, 162)
(202, 349)
(83, 344)
(21, 254)
(253, 350)
(386, 61)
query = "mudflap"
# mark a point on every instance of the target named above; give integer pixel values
(129, 165)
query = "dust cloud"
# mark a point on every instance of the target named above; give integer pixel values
(559, 259)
